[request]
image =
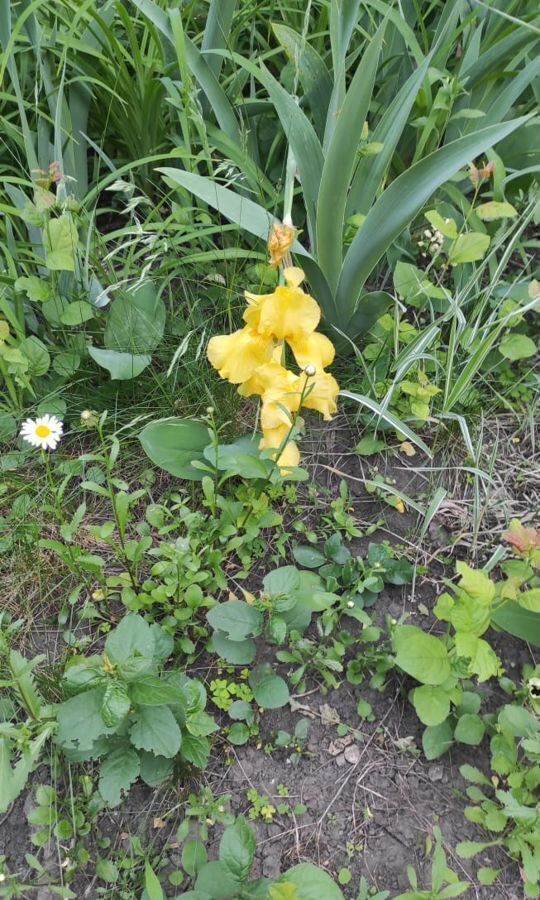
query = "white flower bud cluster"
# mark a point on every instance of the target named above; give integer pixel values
(433, 243)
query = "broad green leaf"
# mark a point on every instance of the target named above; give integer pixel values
(155, 729)
(80, 722)
(237, 848)
(217, 881)
(309, 557)
(340, 161)
(106, 870)
(77, 313)
(8, 426)
(66, 363)
(240, 458)
(238, 734)
(413, 286)
(522, 623)
(115, 706)
(495, 210)
(474, 775)
(518, 720)
(195, 750)
(239, 653)
(487, 874)
(122, 366)
(236, 618)
(483, 660)
(283, 891)
(468, 849)
(155, 769)
(476, 583)
(470, 729)
(432, 704)
(119, 770)
(468, 248)
(446, 226)
(136, 321)
(132, 636)
(517, 346)
(437, 739)
(283, 581)
(311, 883)
(36, 354)
(173, 444)
(369, 445)
(194, 856)
(151, 690)
(36, 289)
(270, 690)
(60, 239)
(530, 600)
(421, 655)
(400, 203)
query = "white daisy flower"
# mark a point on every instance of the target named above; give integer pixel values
(44, 432)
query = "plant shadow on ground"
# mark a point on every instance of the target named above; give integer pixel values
(359, 798)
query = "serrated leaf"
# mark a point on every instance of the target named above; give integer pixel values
(119, 770)
(80, 722)
(155, 729)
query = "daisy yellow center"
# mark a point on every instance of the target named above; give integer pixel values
(43, 431)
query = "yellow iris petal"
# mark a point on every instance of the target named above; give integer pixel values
(313, 350)
(323, 395)
(273, 438)
(270, 376)
(238, 355)
(293, 275)
(289, 457)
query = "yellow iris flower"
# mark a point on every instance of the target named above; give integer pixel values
(287, 312)
(238, 355)
(252, 358)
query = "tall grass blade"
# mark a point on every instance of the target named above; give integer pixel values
(340, 162)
